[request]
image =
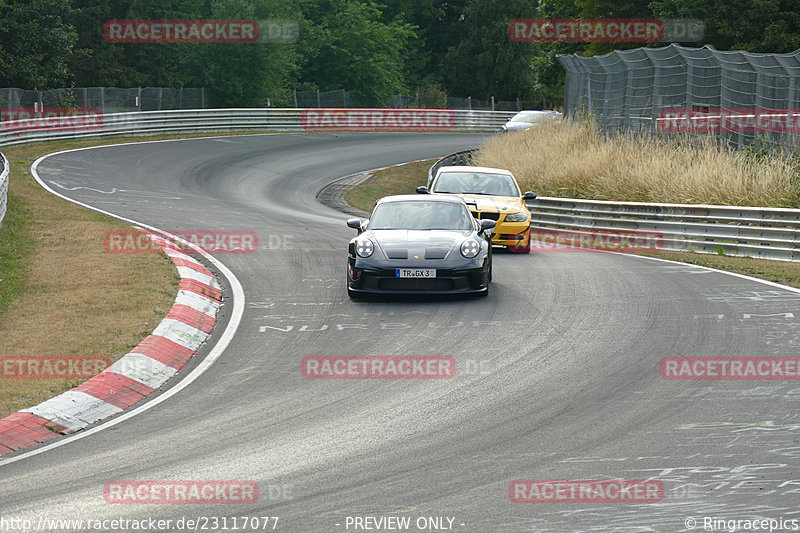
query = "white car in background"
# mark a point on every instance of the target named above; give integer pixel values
(527, 119)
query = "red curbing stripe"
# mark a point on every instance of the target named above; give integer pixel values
(192, 317)
(20, 430)
(189, 264)
(164, 350)
(202, 289)
(115, 389)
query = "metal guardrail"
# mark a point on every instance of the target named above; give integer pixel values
(214, 120)
(4, 173)
(456, 159)
(759, 232)
(767, 233)
(204, 120)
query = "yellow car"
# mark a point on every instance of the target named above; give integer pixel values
(490, 193)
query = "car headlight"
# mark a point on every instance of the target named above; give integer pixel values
(470, 248)
(522, 216)
(364, 247)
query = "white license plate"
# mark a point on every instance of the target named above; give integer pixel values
(415, 272)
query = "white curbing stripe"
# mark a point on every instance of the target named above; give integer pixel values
(172, 252)
(205, 279)
(198, 302)
(144, 369)
(181, 333)
(74, 409)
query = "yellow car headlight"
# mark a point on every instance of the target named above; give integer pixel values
(521, 216)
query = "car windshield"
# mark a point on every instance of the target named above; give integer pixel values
(476, 183)
(420, 216)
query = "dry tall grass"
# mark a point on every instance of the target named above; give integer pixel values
(574, 160)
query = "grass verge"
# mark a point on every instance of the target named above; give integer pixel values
(574, 160)
(60, 292)
(405, 179)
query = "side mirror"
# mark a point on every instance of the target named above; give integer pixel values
(529, 196)
(422, 189)
(356, 223)
(487, 224)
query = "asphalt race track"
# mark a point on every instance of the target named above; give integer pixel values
(557, 369)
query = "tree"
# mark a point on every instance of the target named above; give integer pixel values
(486, 62)
(36, 44)
(346, 45)
(246, 74)
(771, 26)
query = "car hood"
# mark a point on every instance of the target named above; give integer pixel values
(493, 204)
(428, 244)
(518, 125)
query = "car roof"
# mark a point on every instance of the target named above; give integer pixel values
(466, 168)
(444, 198)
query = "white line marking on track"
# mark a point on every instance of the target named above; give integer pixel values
(215, 353)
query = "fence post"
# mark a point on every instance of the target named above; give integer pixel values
(319, 104)
(160, 93)
(202, 97)
(492, 103)
(469, 103)
(180, 98)
(103, 99)
(139, 98)
(344, 101)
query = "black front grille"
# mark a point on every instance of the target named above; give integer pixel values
(415, 284)
(487, 216)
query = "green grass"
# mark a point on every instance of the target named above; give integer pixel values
(16, 247)
(403, 179)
